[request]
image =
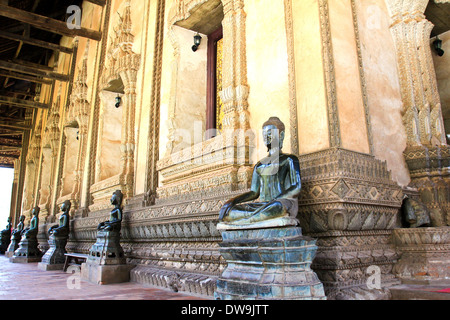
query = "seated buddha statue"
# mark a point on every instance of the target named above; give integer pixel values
(115, 221)
(275, 181)
(33, 229)
(7, 231)
(62, 229)
(17, 232)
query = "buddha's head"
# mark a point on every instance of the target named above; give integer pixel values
(65, 207)
(35, 211)
(273, 133)
(117, 197)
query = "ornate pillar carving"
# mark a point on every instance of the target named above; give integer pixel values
(235, 87)
(77, 117)
(51, 141)
(30, 183)
(427, 153)
(349, 201)
(121, 67)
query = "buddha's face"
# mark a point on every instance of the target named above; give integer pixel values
(114, 199)
(273, 138)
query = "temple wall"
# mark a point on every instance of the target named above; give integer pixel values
(351, 115)
(442, 66)
(383, 90)
(310, 92)
(169, 65)
(266, 41)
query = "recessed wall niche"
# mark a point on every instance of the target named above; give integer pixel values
(110, 136)
(71, 153)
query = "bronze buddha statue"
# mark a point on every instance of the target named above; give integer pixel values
(115, 221)
(63, 228)
(33, 229)
(275, 181)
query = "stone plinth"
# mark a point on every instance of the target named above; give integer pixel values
(270, 264)
(54, 258)
(13, 246)
(107, 249)
(105, 274)
(106, 262)
(5, 240)
(27, 252)
(424, 255)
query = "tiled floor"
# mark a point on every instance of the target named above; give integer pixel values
(24, 281)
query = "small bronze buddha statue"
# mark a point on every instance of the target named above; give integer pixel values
(115, 221)
(33, 229)
(5, 237)
(7, 231)
(17, 232)
(275, 181)
(63, 228)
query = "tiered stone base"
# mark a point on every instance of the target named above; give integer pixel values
(54, 258)
(425, 255)
(105, 274)
(106, 263)
(27, 252)
(4, 243)
(348, 261)
(175, 280)
(107, 249)
(13, 246)
(270, 264)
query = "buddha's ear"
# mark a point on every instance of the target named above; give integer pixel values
(282, 135)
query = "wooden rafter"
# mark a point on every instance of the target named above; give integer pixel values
(35, 42)
(14, 75)
(23, 103)
(14, 126)
(48, 24)
(10, 66)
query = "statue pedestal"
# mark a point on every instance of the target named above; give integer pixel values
(424, 255)
(13, 246)
(27, 252)
(54, 258)
(269, 264)
(106, 263)
(4, 242)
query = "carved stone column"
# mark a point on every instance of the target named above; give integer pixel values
(427, 153)
(121, 67)
(128, 137)
(349, 201)
(236, 90)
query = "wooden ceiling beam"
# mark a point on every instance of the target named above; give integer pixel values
(2, 155)
(12, 119)
(10, 66)
(14, 75)
(9, 135)
(6, 144)
(48, 24)
(31, 64)
(14, 126)
(23, 103)
(35, 42)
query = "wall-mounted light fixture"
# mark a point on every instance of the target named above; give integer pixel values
(437, 45)
(118, 101)
(78, 134)
(197, 41)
